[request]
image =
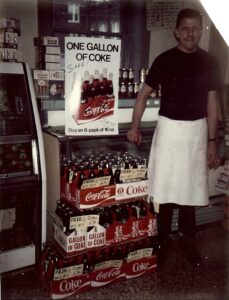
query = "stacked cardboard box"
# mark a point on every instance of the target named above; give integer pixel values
(63, 277)
(49, 84)
(89, 232)
(48, 54)
(49, 74)
(9, 33)
(227, 132)
(222, 182)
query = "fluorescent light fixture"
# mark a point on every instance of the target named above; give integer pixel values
(218, 12)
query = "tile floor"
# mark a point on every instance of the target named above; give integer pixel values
(176, 280)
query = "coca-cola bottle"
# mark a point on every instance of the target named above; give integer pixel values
(136, 89)
(82, 176)
(110, 89)
(131, 75)
(100, 170)
(85, 87)
(143, 209)
(110, 173)
(121, 213)
(92, 173)
(123, 91)
(91, 87)
(105, 217)
(102, 87)
(96, 83)
(51, 263)
(130, 90)
(125, 75)
(117, 173)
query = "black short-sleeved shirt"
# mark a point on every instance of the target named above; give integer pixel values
(185, 80)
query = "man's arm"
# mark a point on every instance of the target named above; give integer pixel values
(212, 121)
(134, 135)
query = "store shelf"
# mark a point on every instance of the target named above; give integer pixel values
(17, 258)
(12, 139)
(59, 104)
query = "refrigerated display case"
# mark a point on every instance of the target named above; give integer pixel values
(59, 146)
(22, 170)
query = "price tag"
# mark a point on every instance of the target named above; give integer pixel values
(96, 182)
(64, 273)
(82, 222)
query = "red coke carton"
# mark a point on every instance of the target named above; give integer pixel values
(68, 281)
(107, 272)
(139, 262)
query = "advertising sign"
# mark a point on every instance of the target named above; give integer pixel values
(91, 85)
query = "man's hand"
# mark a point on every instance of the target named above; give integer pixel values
(213, 159)
(134, 136)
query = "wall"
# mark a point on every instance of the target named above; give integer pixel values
(26, 12)
(163, 39)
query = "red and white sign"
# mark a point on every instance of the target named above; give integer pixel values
(107, 272)
(96, 237)
(73, 243)
(131, 190)
(64, 288)
(91, 85)
(140, 262)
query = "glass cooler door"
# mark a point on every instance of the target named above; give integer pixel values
(21, 170)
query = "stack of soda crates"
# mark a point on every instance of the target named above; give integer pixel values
(104, 227)
(65, 276)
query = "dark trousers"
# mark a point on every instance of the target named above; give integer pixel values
(186, 220)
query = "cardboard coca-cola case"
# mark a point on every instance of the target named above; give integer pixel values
(96, 237)
(114, 234)
(68, 281)
(98, 195)
(107, 272)
(85, 233)
(72, 243)
(140, 262)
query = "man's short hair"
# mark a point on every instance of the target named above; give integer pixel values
(188, 13)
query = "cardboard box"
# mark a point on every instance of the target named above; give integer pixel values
(46, 41)
(69, 281)
(41, 82)
(101, 194)
(88, 234)
(52, 50)
(140, 262)
(52, 58)
(71, 244)
(9, 23)
(56, 84)
(52, 66)
(97, 196)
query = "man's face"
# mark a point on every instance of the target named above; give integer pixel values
(188, 34)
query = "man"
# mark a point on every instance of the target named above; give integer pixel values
(185, 138)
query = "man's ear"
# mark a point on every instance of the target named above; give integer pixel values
(175, 33)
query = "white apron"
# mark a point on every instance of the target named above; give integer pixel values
(177, 168)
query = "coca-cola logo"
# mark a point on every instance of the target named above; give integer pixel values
(139, 267)
(131, 190)
(93, 111)
(109, 274)
(67, 286)
(104, 194)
